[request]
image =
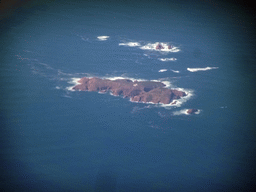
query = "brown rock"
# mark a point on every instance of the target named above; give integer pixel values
(159, 46)
(192, 111)
(173, 103)
(170, 46)
(143, 91)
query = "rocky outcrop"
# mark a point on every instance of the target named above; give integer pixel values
(192, 111)
(174, 102)
(170, 46)
(139, 91)
(159, 46)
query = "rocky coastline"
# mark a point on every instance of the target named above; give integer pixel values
(137, 91)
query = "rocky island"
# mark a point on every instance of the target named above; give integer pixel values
(137, 91)
(192, 111)
(160, 46)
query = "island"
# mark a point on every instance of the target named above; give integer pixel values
(192, 111)
(137, 91)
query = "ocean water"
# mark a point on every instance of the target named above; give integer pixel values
(55, 139)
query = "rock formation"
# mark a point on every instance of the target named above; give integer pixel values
(170, 46)
(174, 102)
(159, 46)
(192, 111)
(139, 91)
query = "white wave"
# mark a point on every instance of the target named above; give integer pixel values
(152, 46)
(70, 88)
(113, 94)
(168, 59)
(180, 112)
(179, 102)
(166, 83)
(103, 38)
(151, 103)
(162, 70)
(175, 71)
(201, 69)
(132, 79)
(57, 87)
(102, 92)
(74, 82)
(131, 44)
(199, 111)
(184, 112)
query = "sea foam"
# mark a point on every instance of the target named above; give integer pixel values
(167, 59)
(74, 82)
(131, 44)
(119, 77)
(179, 102)
(175, 71)
(152, 46)
(103, 38)
(201, 69)
(162, 70)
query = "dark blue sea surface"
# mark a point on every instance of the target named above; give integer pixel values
(55, 139)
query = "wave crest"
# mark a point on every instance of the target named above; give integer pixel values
(201, 69)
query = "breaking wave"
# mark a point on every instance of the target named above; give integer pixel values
(201, 69)
(74, 81)
(167, 59)
(103, 38)
(175, 71)
(162, 70)
(131, 44)
(153, 46)
(120, 77)
(184, 112)
(179, 102)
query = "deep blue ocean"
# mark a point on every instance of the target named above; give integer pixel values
(54, 139)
